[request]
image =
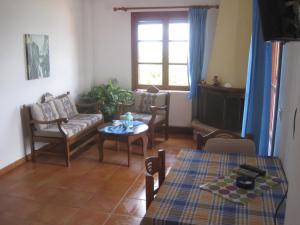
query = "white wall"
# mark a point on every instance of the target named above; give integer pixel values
(286, 144)
(62, 21)
(112, 47)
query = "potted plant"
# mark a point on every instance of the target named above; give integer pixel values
(110, 95)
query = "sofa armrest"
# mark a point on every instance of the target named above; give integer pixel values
(157, 108)
(57, 121)
(65, 120)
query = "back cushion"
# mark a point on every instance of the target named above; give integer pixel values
(44, 112)
(143, 100)
(65, 106)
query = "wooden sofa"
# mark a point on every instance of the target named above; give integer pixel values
(57, 122)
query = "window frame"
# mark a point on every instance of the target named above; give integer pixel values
(165, 17)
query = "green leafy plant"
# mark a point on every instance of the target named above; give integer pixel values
(110, 95)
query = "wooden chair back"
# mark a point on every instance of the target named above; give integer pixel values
(226, 134)
(220, 145)
(154, 164)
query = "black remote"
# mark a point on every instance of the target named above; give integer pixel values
(253, 169)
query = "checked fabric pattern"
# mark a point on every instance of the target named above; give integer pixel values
(181, 201)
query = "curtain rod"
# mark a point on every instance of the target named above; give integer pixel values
(125, 9)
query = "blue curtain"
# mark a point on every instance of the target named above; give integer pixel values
(258, 88)
(197, 22)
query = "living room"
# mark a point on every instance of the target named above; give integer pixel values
(90, 44)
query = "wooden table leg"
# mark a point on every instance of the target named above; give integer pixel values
(145, 143)
(129, 142)
(100, 147)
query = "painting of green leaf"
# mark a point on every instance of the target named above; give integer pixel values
(37, 55)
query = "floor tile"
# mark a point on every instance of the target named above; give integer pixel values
(87, 193)
(132, 207)
(71, 198)
(87, 217)
(103, 201)
(55, 214)
(18, 207)
(123, 220)
(138, 191)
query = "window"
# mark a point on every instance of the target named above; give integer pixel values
(160, 50)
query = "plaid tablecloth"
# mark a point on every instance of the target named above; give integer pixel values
(181, 201)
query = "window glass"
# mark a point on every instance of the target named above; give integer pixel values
(178, 52)
(150, 32)
(178, 75)
(178, 31)
(150, 52)
(150, 74)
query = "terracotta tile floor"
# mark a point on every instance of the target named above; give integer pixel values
(87, 193)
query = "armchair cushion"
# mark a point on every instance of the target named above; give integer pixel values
(44, 112)
(75, 125)
(143, 101)
(144, 117)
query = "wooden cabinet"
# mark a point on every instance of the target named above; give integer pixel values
(221, 107)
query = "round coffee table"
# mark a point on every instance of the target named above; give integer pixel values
(107, 132)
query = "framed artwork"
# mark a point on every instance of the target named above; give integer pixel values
(37, 56)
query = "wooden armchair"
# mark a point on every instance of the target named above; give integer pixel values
(151, 108)
(226, 141)
(154, 164)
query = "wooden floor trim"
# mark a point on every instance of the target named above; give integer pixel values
(14, 165)
(181, 130)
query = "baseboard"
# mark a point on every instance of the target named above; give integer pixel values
(14, 165)
(181, 130)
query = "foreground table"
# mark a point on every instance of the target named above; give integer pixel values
(181, 201)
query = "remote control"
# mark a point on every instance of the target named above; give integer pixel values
(244, 172)
(253, 169)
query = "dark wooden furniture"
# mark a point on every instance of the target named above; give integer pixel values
(71, 144)
(89, 107)
(221, 107)
(154, 164)
(202, 139)
(139, 133)
(153, 122)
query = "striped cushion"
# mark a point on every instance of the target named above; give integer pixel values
(65, 107)
(44, 112)
(143, 101)
(74, 126)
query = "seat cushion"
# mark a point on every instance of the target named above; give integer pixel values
(74, 126)
(143, 100)
(44, 112)
(144, 117)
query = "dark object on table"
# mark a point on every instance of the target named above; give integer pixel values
(245, 182)
(253, 169)
(220, 107)
(154, 164)
(245, 173)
